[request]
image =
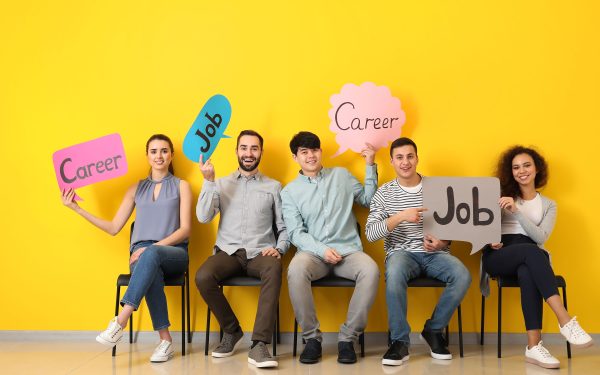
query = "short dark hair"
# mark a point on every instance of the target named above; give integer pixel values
(306, 140)
(509, 187)
(402, 141)
(252, 133)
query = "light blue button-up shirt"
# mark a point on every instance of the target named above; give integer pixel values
(318, 210)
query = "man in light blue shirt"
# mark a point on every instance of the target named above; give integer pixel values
(317, 210)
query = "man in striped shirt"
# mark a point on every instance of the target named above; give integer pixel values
(396, 216)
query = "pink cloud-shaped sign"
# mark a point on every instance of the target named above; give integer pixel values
(365, 113)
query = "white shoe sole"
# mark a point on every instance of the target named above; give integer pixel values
(436, 355)
(542, 364)
(106, 342)
(162, 358)
(225, 355)
(584, 345)
(394, 362)
(263, 364)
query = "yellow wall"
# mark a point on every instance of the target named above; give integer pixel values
(473, 77)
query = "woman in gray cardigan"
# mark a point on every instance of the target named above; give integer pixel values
(527, 221)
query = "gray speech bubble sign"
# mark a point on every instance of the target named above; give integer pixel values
(462, 209)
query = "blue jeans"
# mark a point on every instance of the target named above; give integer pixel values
(401, 266)
(147, 279)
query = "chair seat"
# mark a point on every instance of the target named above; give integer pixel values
(179, 280)
(241, 281)
(426, 282)
(513, 282)
(333, 281)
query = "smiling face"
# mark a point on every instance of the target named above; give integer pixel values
(309, 160)
(523, 170)
(159, 155)
(248, 153)
(405, 160)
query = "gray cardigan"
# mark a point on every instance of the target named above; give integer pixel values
(538, 233)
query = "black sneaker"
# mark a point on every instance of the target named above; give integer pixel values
(437, 343)
(396, 354)
(346, 352)
(311, 352)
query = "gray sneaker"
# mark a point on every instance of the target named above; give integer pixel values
(259, 356)
(227, 345)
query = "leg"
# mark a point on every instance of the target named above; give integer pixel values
(268, 268)
(363, 270)
(216, 268)
(450, 270)
(531, 304)
(304, 268)
(400, 267)
(147, 279)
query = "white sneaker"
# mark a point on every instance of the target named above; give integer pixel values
(575, 335)
(163, 352)
(112, 335)
(540, 356)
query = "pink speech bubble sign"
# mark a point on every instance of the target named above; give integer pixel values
(365, 113)
(90, 162)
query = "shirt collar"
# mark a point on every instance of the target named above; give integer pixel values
(312, 180)
(238, 175)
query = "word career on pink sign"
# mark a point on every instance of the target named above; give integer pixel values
(90, 162)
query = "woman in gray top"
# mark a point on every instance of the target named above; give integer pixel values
(158, 243)
(527, 221)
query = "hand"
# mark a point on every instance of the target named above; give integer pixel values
(136, 255)
(207, 169)
(68, 199)
(508, 204)
(271, 252)
(368, 153)
(412, 215)
(430, 243)
(496, 246)
(332, 256)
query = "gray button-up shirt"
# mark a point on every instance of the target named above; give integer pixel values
(250, 209)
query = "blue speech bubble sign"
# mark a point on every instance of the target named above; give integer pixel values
(208, 129)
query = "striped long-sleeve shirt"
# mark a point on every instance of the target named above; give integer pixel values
(390, 199)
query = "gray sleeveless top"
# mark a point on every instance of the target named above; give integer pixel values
(156, 219)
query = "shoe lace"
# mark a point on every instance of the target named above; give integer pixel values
(162, 347)
(575, 330)
(543, 351)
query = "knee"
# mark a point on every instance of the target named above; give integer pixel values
(204, 279)
(297, 274)
(462, 279)
(370, 272)
(150, 253)
(272, 269)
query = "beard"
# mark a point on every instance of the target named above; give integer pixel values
(252, 166)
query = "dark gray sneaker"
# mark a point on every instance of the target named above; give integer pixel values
(227, 345)
(259, 356)
(396, 354)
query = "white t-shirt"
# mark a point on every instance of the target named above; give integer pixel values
(532, 209)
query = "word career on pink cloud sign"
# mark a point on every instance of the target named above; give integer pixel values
(365, 113)
(90, 162)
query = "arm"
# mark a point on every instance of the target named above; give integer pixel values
(283, 242)
(296, 230)
(539, 233)
(113, 226)
(208, 201)
(376, 227)
(364, 194)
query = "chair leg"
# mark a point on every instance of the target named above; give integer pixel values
(183, 320)
(499, 321)
(206, 336)
(114, 349)
(361, 340)
(278, 328)
(131, 329)
(448, 334)
(295, 338)
(460, 335)
(482, 319)
(564, 289)
(187, 305)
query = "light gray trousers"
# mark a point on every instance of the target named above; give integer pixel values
(306, 267)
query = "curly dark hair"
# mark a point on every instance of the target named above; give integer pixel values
(509, 187)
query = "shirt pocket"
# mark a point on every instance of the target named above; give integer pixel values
(261, 203)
